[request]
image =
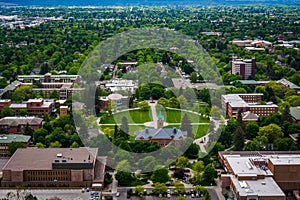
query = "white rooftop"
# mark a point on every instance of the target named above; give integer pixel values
(286, 160)
(262, 187)
(242, 166)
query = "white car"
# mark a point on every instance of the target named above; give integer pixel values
(117, 194)
(168, 196)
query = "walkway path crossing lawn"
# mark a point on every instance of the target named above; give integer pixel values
(138, 120)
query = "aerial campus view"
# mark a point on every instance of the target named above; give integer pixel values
(149, 100)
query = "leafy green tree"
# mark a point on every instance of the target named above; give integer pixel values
(252, 129)
(157, 92)
(286, 114)
(182, 102)
(39, 135)
(54, 95)
(147, 163)
(139, 189)
(23, 112)
(13, 146)
(55, 144)
(144, 92)
(186, 126)
(40, 145)
(159, 188)
(22, 93)
(209, 174)
(271, 131)
(179, 187)
(192, 152)
(3, 82)
(144, 106)
(28, 130)
(160, 175)
(163, 101)
(198, 168)
(193, 77)
(124, 178)
(238, 139)
(74, 145)
(182, 162)
(173, 102)
(284, 144)
(227, 132)
(124, 128)
(7, 111)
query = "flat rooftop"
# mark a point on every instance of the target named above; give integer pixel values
(42, 158)
(242, 166)
(266, 187)
(286, 160)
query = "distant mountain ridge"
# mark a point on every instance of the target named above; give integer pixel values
(143, 2)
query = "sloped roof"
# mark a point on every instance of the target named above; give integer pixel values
(15, 121)
(42, 158)
(295, 112)
(8, 138)
(161, 133)
(249, 116)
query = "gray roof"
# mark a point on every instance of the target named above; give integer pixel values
(266, 187)
(160, 133)
(15, 121)
(42, 158)
(295, 112)
(249, 116)
(288, 83)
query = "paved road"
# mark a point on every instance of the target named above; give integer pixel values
(65, 194)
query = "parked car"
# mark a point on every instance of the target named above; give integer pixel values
(117, 194)
(82, 190)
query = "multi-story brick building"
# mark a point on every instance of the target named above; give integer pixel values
(243, 67)
(48, 78)
(119, 100)
(6, 139)
(34, 107)
(261, 175)
(232, 104)
(16, 125)
(53, 167)
(64, 90)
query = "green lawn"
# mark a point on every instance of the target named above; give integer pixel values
(175, 116)
(133, 116)
(132, 128)
(200, 130)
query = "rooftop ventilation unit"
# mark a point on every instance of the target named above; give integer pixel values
(59, 155)
(249, 165)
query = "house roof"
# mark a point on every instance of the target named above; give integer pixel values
(15, 121)
(249, 116)
(288, 83)
(8, 138)
(161, 133)
(295, 112)
(42, 158)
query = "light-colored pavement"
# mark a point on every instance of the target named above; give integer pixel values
(65, 194)
(153, 111)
